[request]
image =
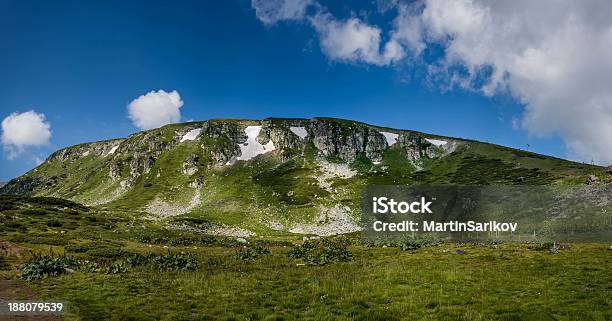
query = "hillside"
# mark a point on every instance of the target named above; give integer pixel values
(274, 176)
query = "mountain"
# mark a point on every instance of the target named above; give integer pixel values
(2, 184)
(245, 177)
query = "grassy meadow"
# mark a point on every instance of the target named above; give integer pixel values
(109, 266)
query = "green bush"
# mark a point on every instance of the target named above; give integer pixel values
(321, 252)
(175, 262)
(415, 244)
(542, 246)
(42, 266)
(480, 243)
(116, 267)
(250, 253)
(106, 252)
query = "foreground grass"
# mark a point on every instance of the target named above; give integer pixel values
(509, 282)
(489, 282)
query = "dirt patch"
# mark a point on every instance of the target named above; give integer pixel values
(9, 249)
(17, 290)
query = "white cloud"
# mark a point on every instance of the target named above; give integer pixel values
(155, 109)
(353, 41)
(350, 40)
(21, 130)
(553, 56)
(273, 11)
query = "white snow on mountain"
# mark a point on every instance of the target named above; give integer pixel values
(391, 137)
(252, 147)
(436, 142)
(300, 131)
(191, 135)
(112, 150)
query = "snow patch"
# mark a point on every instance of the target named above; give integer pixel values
(191, 135)
(436, 142)
(300, 131)
(390, 137)
(252, 147)
(112, 150)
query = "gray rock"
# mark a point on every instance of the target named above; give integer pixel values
(591, 179)
(190, 165)
(346, 140)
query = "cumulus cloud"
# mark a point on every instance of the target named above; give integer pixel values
(155, 109)
(352, 40)
(552, 56)
(22, 130)
(273, 11)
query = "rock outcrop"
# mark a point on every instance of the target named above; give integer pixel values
(221, 143)
(347, 141)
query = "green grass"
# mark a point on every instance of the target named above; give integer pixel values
(505, 282)
(139, 270)
(510, 282)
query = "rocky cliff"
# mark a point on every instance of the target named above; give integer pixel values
(279, 174)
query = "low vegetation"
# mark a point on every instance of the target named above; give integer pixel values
(321, 252)
(108, 266)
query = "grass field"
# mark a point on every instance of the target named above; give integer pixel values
(505, 282)
(130, 269)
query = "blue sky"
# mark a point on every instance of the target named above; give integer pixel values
(80, 63)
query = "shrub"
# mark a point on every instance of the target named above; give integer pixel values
(90, 267)
(42, 266)
(115, 268)
(481, 243)
(106, 252)
(250, 253)
(415, 244)
(542, 246)
(174, 262)
(321, 252)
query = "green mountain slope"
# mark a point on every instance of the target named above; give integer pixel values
(246, 177)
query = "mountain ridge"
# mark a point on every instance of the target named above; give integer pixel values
(276, 175)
